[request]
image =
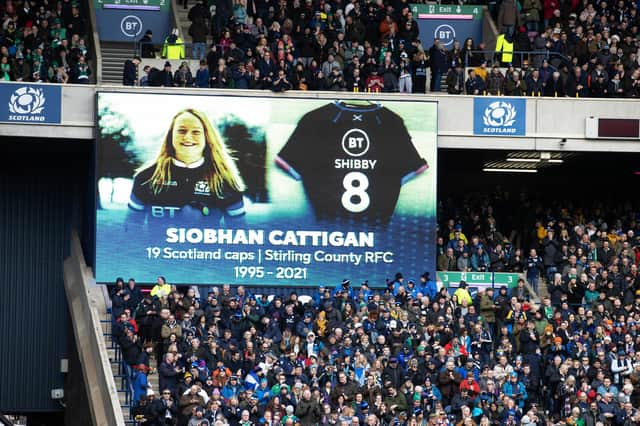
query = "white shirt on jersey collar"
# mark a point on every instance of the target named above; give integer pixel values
(195, 165)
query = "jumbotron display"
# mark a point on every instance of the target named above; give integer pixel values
(264, 190)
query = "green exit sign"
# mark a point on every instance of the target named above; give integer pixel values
(448, 11)
(478, 279)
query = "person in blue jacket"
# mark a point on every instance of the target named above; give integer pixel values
(515, 390)
(140, 382)
(427, 286)
(345, 286)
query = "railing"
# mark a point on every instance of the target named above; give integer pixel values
(556, 60)
(187, 46)
(124, 375)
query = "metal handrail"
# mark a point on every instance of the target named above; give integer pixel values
(493, 54)
(188, 48)
(124, 374)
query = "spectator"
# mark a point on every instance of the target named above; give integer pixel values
(439, 65)
(199, 16)
(507, 18)
(130, 73)
(202, 75)
(495, 81)
(220, 77)
(514, 86)
(455, 80)
(147, 49)
(183, 77)
(475, 84)
(173, 47)
(282, 84)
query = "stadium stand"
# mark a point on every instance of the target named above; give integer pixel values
(544, 49)
(45, 42)
(410, 353)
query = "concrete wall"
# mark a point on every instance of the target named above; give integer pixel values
(549, 120)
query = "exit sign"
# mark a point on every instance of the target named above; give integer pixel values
(478, 279)
(441, 11)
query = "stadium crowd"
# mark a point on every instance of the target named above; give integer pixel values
(583, 49)
(409, 353)
(43, 41)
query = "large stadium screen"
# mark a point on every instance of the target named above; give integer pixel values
(264, 190)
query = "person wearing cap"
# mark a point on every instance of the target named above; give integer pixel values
(231, 389)
(263, 392)
(514, 389)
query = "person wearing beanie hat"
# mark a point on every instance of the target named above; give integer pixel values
(147, 50)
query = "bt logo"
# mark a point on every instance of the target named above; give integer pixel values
(355, 142)
(131, 26)
(446, 33)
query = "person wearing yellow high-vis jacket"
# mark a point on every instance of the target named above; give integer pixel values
(504, 45)
(173, 47)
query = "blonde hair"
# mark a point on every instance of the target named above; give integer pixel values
(220, 167)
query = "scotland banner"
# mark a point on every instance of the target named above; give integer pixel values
(499, 116)
(30, 103)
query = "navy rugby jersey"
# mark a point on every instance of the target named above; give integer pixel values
(188, 190)
(351, 159)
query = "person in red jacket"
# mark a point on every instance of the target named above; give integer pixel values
(455, 348)
(471, 386)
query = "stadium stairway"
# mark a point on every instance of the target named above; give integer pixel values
(113, 56)
(121, 372)
(118, 369)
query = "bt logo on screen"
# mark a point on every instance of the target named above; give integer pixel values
(445, 33)
(131, 26)
(355, 142)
